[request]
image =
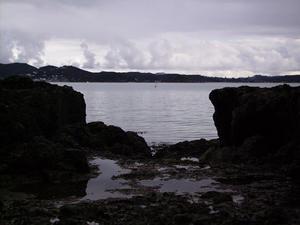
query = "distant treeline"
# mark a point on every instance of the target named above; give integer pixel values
(74, 74)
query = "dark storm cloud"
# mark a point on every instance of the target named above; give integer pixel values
(143, 34)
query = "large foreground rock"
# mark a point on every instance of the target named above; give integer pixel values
(31, 113)
(29, 109)
(272, 113)
(263, 123)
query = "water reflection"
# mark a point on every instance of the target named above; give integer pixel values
(103, 185)
(182, 186)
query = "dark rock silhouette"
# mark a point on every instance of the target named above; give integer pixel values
(262, 123)
(30, 109)
(102, 138)
(31, 113)
(271, 113)
(113, 139)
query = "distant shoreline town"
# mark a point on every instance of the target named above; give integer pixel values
(74, 74)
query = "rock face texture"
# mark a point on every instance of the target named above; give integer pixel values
(29, 109)
(30, 114)
(272, 113)
(260, 122)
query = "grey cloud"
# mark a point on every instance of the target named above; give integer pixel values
(268, 56)
(90, 60)
(43, 3)
(6, 53)
(125, 54)
(234, 33)
(161, 52)
(16, 46)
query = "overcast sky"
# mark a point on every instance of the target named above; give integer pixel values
(210, 37)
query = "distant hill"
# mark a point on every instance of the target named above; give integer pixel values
(74, 74)
(7, 70)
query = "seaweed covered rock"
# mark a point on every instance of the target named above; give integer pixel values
(260, 122)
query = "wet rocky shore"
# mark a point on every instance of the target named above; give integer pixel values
(57, 169)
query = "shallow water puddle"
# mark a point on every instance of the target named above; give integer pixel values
(182, 186)
(103, 185)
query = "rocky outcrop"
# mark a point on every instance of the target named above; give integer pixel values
(43, 131)
(29, 109)
(263, 123)
(31, 113)
(185, 149)
(271, 113)
(101, 138)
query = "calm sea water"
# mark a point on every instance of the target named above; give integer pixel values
(161, 113)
